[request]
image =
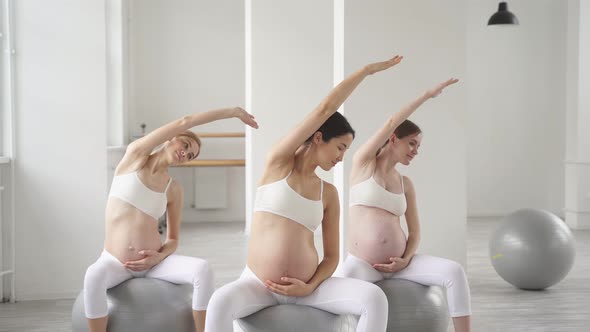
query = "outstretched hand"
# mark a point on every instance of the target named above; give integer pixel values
(294, 287)
(383, 65)
(397, 264)
(246, 117)
(151, 258)
(432, 93)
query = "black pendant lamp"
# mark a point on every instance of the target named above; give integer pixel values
(503, 16)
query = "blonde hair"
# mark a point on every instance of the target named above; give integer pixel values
(189, 134)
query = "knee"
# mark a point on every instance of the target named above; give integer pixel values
(94, 276)
(456, 273)
(375, 298)
(203, 273)
(203, 268)
(220, 301)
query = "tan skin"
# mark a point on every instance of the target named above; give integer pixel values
(131, 235)
(281, 252)
(375, 234)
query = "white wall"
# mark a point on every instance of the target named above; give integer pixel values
(117, 59)
(516, 108)
(431, 37)
(188, 56)
(60, 139)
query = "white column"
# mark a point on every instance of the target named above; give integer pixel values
(339, 175)
(117, 66)
(432, 37)
(289, 70)
(577, 164)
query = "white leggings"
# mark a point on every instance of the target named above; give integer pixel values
(423, 269)
(248, 295)
(108, 271)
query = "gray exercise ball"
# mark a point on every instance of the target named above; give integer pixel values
(296, 318)
(143, 305)
(532, 249)
(415, 307)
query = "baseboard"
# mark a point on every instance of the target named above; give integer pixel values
(500, 215)
(36, 296)
(485, 215)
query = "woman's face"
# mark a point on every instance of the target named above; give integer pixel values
(182, 149)
(332, 152)
(405, 149)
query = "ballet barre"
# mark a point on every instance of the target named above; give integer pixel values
(214, 163)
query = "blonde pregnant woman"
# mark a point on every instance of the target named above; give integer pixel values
(291, 202)
(141, 192)
(379, 196)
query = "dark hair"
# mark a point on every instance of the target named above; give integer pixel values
(335, 126)
(405, 129)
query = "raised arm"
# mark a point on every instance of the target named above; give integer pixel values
(284, 150)
(146, 144)
(368, 151)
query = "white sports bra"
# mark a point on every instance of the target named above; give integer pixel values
(129, 188)
(370, 193)
(280, 199)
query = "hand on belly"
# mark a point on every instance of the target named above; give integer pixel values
(397, 264)
(297, 268)
(289, 287)
(150, 259)
(284, 258)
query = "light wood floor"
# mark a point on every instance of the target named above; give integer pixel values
(497, 306)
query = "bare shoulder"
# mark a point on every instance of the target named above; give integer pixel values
(175, 192)
(330, 193)
(408, 185)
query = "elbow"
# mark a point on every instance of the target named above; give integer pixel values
(184, 122)
(172, 244)
(392, 122)
(332, 260)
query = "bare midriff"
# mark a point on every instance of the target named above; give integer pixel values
(128, 231)
(280, 247)
(374, 234)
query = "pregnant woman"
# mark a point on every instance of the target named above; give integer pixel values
(141, 192)
(379, 196)
(291, 202)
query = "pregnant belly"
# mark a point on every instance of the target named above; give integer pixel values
(375, 237)
(127, 249)
(128, 234)
(285, 251)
